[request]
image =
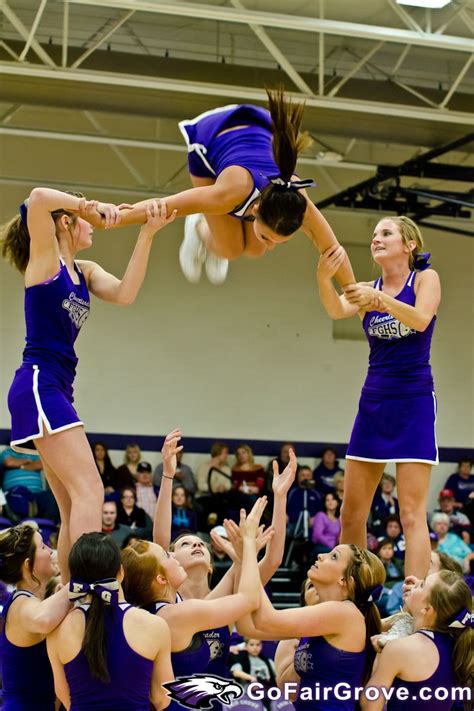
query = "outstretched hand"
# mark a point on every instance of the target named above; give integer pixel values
(156, 217)
(281, 483)
(249, 524)
(169, 451)
(330, 261)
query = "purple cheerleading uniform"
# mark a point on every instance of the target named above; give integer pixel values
(192, 660)
(130, 673)
(41, 394)
(442, 678)
(396, 421)
(250, 148)
(36, 689)
(322, 666)
(218, 640)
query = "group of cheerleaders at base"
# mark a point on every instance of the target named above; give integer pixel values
(104, 653)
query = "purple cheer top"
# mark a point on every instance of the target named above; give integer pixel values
(399, 360)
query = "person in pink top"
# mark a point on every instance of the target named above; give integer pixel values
(326, 525)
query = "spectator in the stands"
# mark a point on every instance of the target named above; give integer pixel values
(110, 524)
(129, 514)
(450, 543)
(324, 473)
(461, 483)
(21, 470)
(393, 531)
(129, 540)
(127, 472)
(303, 501)
(184, 475)
(107, 471)
(282, 461)
(384, 504)
(247, 476)
(251, 665)
(214, 474)
(393, 566)
(339, 485)
(327, 525)
(458, 521)
(214, 483)
(183, 518)
(146, 497)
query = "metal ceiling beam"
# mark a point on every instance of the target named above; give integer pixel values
(103, 38)
(434, 171)
(65, 37)
(117, 141)
(23, 32)
(356, 68)
(224, 91)
(405, 17)
(277, 54)
(288, 22)
(456, 82)
(34, 27)
(116, 150)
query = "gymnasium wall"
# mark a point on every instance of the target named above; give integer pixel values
(252, 359)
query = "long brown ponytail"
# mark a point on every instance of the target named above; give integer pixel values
(93, 557)
(282, 209)
(364, 573)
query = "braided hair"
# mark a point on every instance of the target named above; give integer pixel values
(17, 544)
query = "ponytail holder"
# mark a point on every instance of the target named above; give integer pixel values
(106, 590)
(463, 619)
(375, 594)
(23, 209)
(421, 261)
(279, 182)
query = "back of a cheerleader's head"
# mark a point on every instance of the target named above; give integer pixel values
(94, 562)
(451, 600)
(141, 567)
(282, 207)
(15, 238)
(17, 545)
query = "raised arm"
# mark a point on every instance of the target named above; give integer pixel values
(336, 305)
(124, 291)
(281, 484)
(162, 518)
(418, 317)
(321, 234)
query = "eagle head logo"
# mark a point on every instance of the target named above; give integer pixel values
(198, 691)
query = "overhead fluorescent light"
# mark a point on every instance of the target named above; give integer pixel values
(434, 4)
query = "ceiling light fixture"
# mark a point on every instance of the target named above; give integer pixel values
(434, 4)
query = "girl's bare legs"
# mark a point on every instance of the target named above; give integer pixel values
(64, 504)
(68, 455)
(413, 481)
(360, 484)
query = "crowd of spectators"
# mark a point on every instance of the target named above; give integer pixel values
(223, 485)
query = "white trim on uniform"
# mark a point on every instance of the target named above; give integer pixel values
(241, 211)
(199, 148)
(435, 406)
(42, 419)
(386, 461)
(410, 279)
